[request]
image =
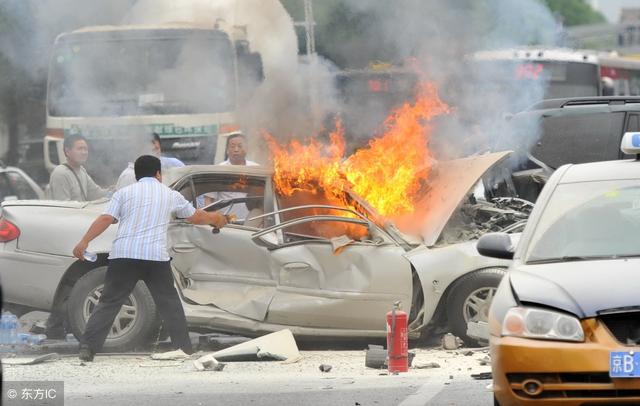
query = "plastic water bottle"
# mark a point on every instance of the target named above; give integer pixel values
(4, 332)
(23, 340)
(13, 329)
(90, 256)
(37, 339)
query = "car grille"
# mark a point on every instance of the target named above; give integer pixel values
(591, 385)
(624, 326)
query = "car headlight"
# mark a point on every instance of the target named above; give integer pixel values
(531, 322)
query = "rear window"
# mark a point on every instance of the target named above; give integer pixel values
(579, 138)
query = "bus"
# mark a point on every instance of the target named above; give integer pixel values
(561, 72)
(117, 85)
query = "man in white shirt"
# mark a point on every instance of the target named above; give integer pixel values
(139, 252)
(235, 154)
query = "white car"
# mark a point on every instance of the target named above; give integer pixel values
(17, 185)
(321, 271)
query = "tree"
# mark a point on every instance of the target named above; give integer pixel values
(575, 12)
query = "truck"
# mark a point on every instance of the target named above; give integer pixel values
(117, 85)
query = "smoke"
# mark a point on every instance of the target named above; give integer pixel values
(439, 37)
(282, 103)
(297, 95)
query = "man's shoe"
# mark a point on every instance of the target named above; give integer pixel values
(55, 334)
(85, 354)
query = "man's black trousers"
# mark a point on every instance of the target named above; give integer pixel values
(122, 276)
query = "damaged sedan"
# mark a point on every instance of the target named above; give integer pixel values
(287, 262)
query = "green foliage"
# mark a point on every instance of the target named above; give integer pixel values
(575, 12)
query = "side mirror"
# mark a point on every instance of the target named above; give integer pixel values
(269, 240)
(496, 245)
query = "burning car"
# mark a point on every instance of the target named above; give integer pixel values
(323, 245)
(565, 321)
(320, 270)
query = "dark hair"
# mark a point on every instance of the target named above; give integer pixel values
(156, 137)
(70, 140)
(229, 138)
(147, 166)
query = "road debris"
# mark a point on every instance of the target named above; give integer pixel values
(482, 376)
(208, 363)
(375, 357)
(278, 346)
(451, 342)
(170, 355)
(325, 367)
(31, 360)
(426, 365)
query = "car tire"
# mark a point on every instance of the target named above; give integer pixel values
(467, 293)
(138, 322)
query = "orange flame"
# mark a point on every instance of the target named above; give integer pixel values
(389, 173)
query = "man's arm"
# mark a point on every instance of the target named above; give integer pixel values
(97, 227)
(93, 190)
(202, 217)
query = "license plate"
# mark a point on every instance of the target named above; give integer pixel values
(624, 364)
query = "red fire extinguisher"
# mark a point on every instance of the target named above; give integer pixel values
(397, 340)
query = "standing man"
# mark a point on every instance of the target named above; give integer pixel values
(235, 154)
(236, 151)
(128, 176)
(70, 181)
(139, 252)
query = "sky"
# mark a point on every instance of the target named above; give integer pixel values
(611, 8)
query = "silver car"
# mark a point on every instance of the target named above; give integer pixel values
(287, 262)
(17, 185)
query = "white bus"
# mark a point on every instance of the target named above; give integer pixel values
(564, 72)
(117, 85)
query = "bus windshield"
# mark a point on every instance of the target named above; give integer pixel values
(141, 76)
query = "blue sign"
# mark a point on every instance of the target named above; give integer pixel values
(635, 140)
(624, 364)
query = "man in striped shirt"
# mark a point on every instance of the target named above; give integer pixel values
(139, 252)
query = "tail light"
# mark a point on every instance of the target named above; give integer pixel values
(8, 231)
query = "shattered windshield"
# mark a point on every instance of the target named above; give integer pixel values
(589, 220)
(139, 76)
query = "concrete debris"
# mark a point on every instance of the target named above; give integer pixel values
(208, 363)
(170, 355)
(485, 361)
(426, 365)
(482, 376)
(451, 342)
(325, 368)
(31, 360)
(278, 346)
(468, 353)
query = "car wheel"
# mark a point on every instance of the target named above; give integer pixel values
(470, 299)
(134, 325)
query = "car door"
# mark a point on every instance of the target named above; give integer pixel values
(327, 279)
(226, 269)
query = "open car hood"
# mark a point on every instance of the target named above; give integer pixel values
(448, 186)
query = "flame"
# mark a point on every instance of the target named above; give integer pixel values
(389, 174)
